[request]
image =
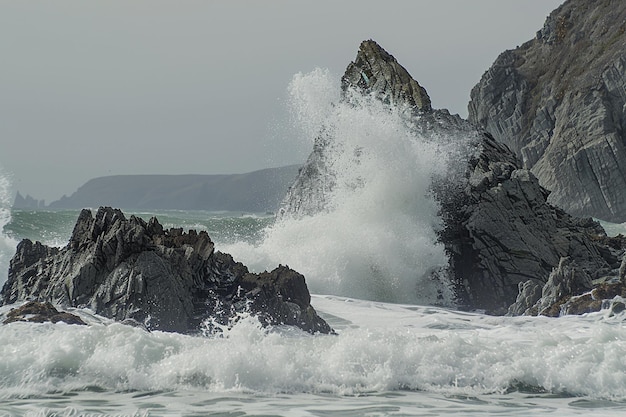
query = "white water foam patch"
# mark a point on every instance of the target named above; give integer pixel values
(380, 348)
(7, 243)
(378, 237)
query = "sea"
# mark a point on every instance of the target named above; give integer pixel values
(401, 347)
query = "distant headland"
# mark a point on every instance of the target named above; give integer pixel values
(257, 191)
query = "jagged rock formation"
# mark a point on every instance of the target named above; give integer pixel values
(565, 280)
(569, 290)
(375, 72)
(559, 102)
(499, 229)
(129, 269)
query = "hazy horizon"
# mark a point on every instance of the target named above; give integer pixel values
(90, 89)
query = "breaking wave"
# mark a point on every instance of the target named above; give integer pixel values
(376, 237)
(381, 347)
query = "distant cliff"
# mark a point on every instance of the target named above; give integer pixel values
(258, 191)
(559, 102)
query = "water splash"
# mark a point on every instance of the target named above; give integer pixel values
(7, 243)
(376, 237)
(380, 348)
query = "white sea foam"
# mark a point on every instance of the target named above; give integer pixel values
(380, 348)
(378, 237)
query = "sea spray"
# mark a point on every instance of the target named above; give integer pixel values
(7, 243)
(374, 234)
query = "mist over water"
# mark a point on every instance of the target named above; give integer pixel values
(376, 238)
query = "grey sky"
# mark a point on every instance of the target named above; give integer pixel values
(93, 88)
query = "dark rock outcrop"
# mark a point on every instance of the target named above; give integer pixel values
(37, 312)
(559, 102)
(499, 229)
(376, 71)
(167, 279)
(282, 296)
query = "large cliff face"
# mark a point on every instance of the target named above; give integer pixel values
(559, 102)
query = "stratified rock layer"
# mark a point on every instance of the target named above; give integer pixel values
(499, 229)
(376, 71)
(559, 102)
(166, 279)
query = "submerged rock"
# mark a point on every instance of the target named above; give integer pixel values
(499, 229)
(559, 102)
(130, 269)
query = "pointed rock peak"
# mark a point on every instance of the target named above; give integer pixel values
(376, 71)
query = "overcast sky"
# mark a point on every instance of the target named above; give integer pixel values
(94, 88)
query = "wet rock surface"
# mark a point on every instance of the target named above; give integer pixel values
(559, 102)
(569, 290)
(500, 232)
(130, 269)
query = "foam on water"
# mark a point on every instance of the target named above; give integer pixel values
(377, 238)
(380, 348)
